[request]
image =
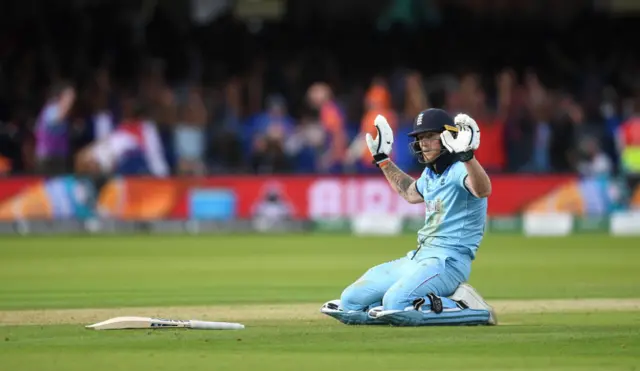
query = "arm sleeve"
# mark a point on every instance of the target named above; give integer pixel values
(459, 174)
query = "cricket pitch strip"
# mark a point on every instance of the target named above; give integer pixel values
(300, 312)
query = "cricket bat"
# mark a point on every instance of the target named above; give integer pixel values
(121, 323)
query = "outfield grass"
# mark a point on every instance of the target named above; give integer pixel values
(109, 272)
(550, 342)
(148, 271)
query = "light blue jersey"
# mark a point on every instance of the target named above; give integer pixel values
(454, 218)
(428, 285)
(454, 227)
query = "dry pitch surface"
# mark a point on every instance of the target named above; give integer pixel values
(302, 312)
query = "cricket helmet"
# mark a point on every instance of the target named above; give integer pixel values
(433, 120)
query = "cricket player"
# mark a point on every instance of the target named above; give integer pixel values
(427, 286)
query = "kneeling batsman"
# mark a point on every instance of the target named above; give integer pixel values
(428, 285)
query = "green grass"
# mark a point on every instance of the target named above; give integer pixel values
(551, 342)
(83, 272)
(180, 270)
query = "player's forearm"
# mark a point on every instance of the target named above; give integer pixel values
(399, 180)
(478, 180)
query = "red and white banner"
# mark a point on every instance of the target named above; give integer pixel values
(305, 196)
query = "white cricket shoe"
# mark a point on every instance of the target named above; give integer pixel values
(466, 294)
(373, 312)
(331, 306)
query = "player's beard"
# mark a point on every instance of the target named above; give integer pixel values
(434, 154)
(414, 146)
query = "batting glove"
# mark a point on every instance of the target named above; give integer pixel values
(380, 147)
(467, 140)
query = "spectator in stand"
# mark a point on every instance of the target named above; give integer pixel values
(377, 102)
(629, 147)
(16, 145)
(52, 130)
(415, 97)
(538, 114)
(611, 113)
(271, 132)
(473, 102)
(567, 130)
(320, 98)
(308, 142)
(415, 100)
(629, 140)
(223, 140)
(93, 119)
(134, 147)
(513, 110)
(593, 161)
(189, 134)
(164, 117)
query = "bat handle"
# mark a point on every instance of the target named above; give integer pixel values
(206, 325)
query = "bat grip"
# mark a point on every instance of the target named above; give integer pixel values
(206, 325)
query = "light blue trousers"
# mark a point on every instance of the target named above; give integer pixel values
(396, 284)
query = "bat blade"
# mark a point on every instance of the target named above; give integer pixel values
(121, 323)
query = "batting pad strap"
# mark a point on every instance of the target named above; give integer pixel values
(436, 303)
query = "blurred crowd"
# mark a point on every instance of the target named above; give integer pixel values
(92, 98)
